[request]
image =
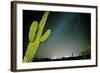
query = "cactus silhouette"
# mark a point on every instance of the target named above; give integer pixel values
(35, 37)
(86, 53)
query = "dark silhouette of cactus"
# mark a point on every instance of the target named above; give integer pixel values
(72, 54)
(35, 37)
(86, 54)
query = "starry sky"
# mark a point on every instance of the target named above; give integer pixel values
(70, 33)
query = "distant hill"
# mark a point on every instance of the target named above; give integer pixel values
(59, 59)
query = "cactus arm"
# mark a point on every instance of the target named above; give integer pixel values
(32, 31)
(46, 35)
(41, 25)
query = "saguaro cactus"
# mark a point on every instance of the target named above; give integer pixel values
(35, 37)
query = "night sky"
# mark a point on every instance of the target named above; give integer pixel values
(70, 33)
